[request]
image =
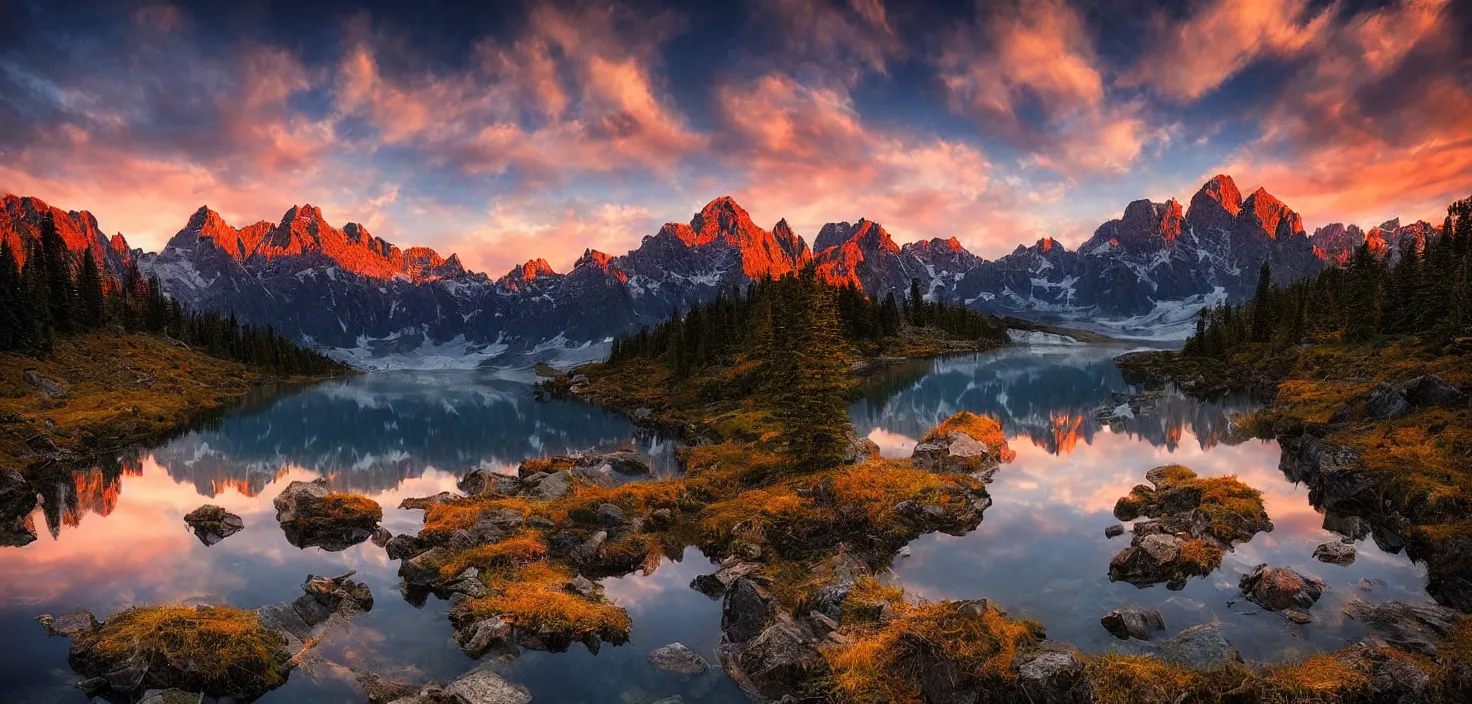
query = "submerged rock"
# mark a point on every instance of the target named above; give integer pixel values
(1133, 622)
(212, 524)
(486, 687)
(1281, 588)
(675, 657)
(1412, 627)
(1202, 647)
(313, 515)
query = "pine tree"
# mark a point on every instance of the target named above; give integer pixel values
(61, 296)
(13, 326)
(37, 293)
(917, 304)
(1362, 295)
(1262, 304)
(89, 292)
(811, 408)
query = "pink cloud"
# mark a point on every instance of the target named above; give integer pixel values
(1372, 126)
(808, 156)
(1027, 72)
(599, 103)
(1221, 37)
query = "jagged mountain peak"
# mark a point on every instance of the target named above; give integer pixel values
(1275, 219)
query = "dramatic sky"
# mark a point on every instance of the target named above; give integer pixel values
(530, 129)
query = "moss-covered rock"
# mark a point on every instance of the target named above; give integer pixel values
(1197, 519)
(311, 514)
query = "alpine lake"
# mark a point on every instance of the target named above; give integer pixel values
(114, 536)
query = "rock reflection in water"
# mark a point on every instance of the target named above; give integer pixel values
(1041, 551)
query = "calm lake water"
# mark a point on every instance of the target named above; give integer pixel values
(114, 535)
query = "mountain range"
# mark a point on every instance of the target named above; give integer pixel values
(368, 301)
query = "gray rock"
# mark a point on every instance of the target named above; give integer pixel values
(298, 497)
(584, 586)
(777, 661)
(1398, 680)
(70, 624)
(1384, 402)
(746, 611)
(1432, 390)
(1413, 627)
(1280, 588)
(1114, 531)
(425, 502)
(1335, 552)
(485, 687)
(1053, 674)
(1298, 616)
(588, 550)
(955, 452)
(212, 524)
(424, 569)
(550, 485)
(858, 449)
(609, 515)
(171, 696)
(675, 657)
(1133, 622)
(48, 388)
(1201, 647)
(732, 569)
(483, 635)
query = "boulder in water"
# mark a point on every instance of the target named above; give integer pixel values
(1281, 588)
(212, 524)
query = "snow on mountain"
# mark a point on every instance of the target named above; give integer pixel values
(355, 295)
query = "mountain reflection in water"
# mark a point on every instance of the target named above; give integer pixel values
(113, 535)
(1040, 550)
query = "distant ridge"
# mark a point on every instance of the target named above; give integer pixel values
(1144, 273)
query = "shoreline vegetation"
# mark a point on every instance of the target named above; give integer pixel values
(805, 519)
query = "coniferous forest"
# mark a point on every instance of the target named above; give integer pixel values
(53, 296)
(1426, 293)
(793, 332)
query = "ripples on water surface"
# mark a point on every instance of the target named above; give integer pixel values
(115, 536)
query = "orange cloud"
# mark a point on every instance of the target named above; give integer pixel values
(1028, 73)
(1189, 59)
(1372, 126)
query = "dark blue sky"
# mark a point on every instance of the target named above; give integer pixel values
(510, 130)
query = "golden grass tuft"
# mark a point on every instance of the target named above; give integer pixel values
(1319, 675)
(338, 506)
(1131, 679)
(876, 665)
(533, 597)
(515, 550)
(983, 429)
(219, 649)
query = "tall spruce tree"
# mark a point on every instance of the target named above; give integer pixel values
(811, 407)
(91, 308)
(1262, 304)
(13, 326)
(61, 291)
(37, 293)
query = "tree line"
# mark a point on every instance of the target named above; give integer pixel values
(795, 331)
(1426, 293)
(51, 297)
